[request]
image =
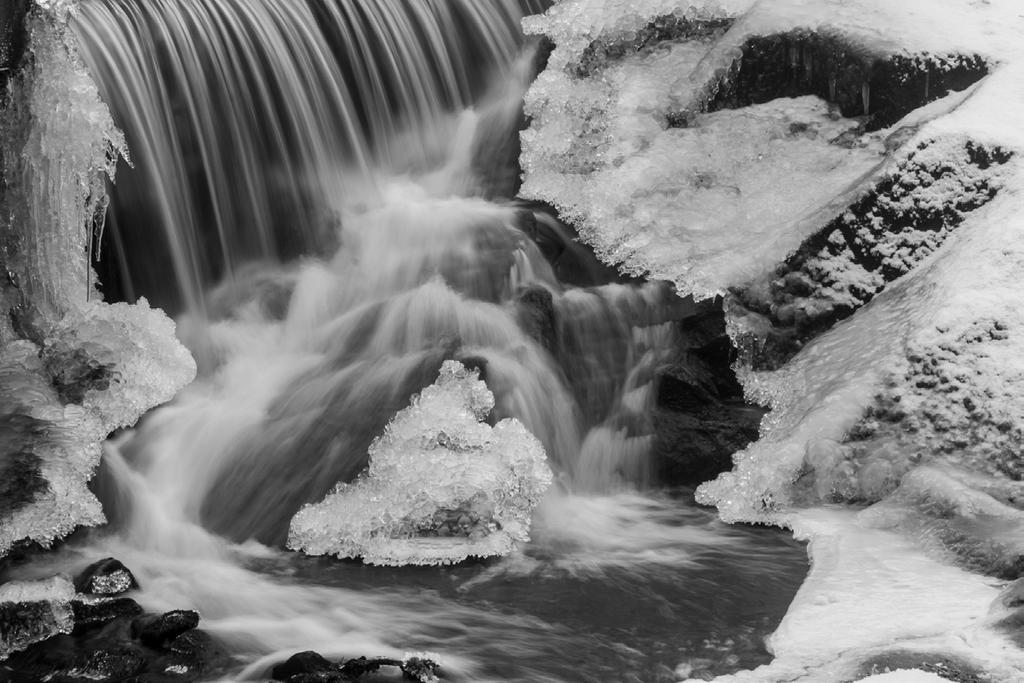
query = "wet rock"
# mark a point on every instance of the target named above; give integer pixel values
(105, 577)
(113, 664)
(96, 613)
(159, 631)
(32, 611)
(302, 663)
(535, 311)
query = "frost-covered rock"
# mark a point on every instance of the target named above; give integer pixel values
(442, 485)
(32, 611)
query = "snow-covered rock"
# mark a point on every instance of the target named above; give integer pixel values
(872, 257)
(442, 485)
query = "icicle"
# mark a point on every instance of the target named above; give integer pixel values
(865, 96)
(832, 88)
(927, 83)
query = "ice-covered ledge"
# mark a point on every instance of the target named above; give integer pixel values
(72, 368)
(873, 278)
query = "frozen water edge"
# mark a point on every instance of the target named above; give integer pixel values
(441, 486)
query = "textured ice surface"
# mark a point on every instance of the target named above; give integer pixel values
(32, 611)
(143, 364)
(719, 202)
(442, 485)
(73, 369)
(61, 147)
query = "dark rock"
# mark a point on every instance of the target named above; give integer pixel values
(690, 449)
(105, 577)
(535, 311)
(881, 88)
(159, 631)
(421, 670)
(193, 644)
(112, 664)
(307, 662)
(883, 236)
(94, 614)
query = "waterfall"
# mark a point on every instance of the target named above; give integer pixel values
(250, 117)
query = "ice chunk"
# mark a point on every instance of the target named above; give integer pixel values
(131, 357)
(441, 486)
(32, 611)
(101, 369)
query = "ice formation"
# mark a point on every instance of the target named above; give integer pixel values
(664, 187)
(74, 369)
(442, 485)
(879, 320)
(32, 611)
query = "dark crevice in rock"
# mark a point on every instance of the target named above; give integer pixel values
(662, 29)
(701, 417)
(875, 241)
(883, 89)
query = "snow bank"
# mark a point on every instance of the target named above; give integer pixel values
(74, 369)
(441, 486)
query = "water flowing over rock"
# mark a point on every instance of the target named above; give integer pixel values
(441, 486)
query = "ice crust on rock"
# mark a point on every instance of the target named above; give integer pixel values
(441, 486)
(32, 611)
(73, 369)
(144, 366)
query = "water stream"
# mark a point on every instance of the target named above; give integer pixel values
(321, 190)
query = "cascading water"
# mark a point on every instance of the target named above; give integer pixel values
(328, 162)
